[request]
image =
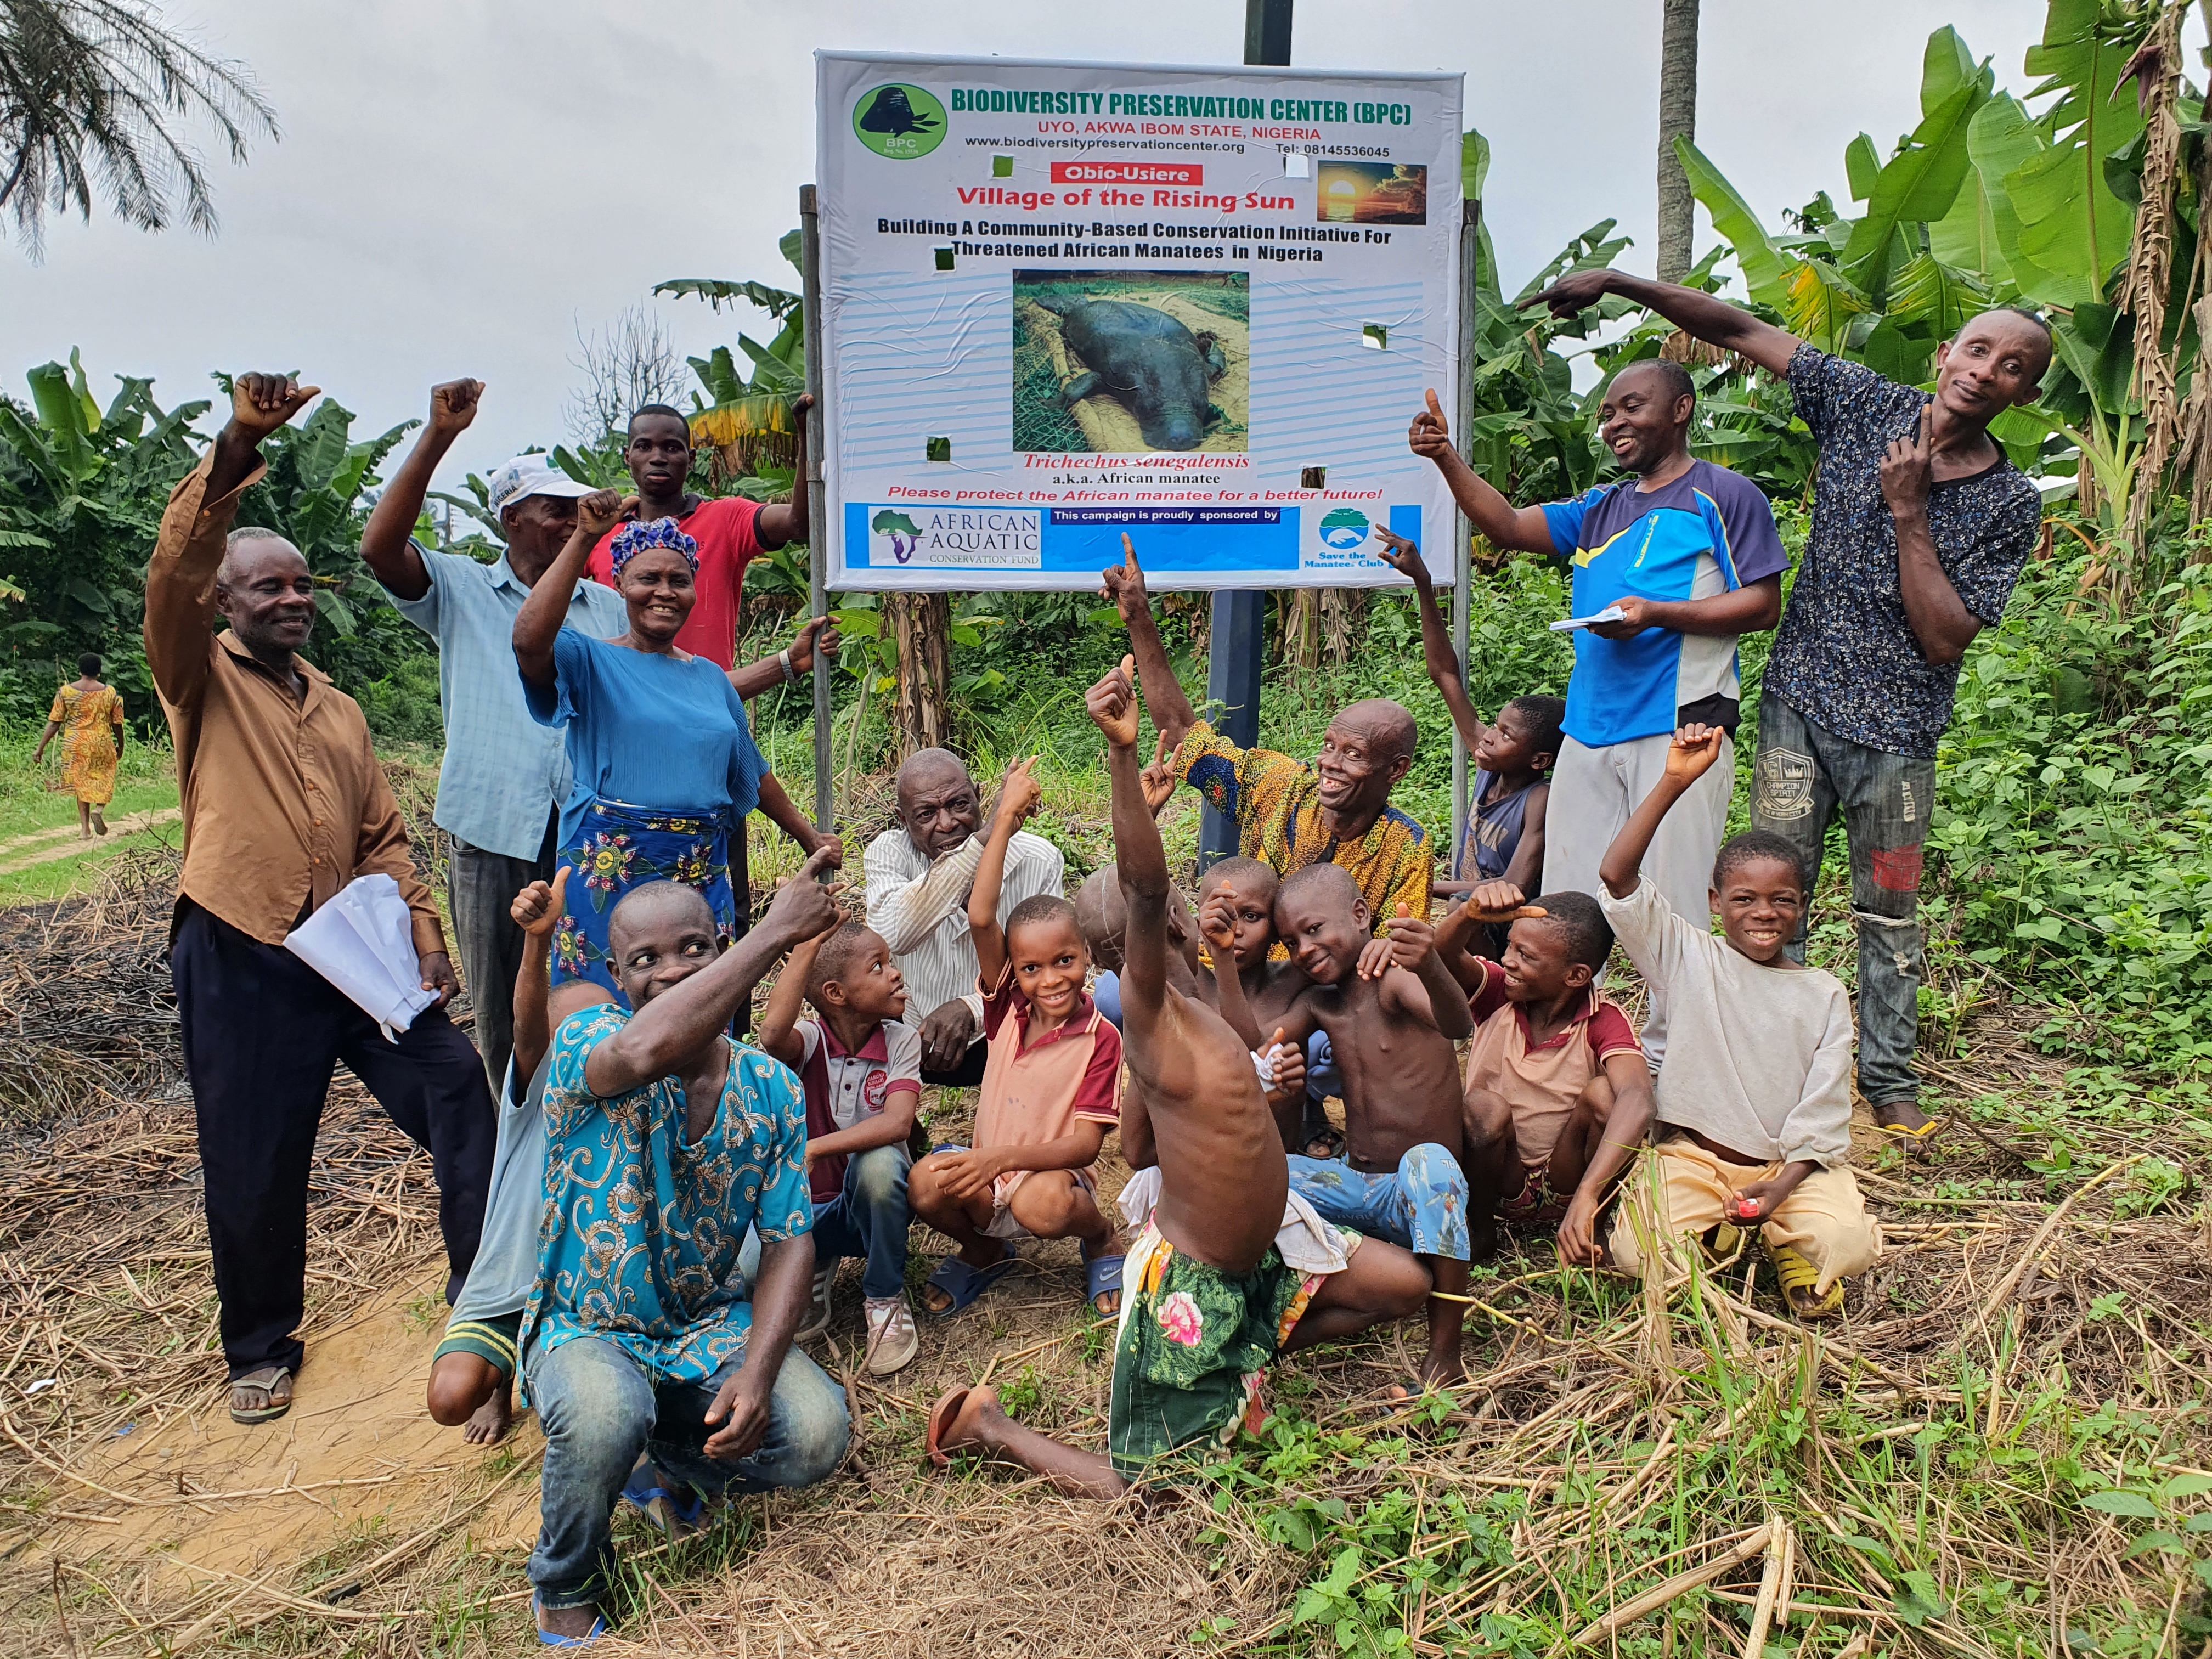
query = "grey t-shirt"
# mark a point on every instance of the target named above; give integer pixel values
(1845, 656)
(1757, 1058)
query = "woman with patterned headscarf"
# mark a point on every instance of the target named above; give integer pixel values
(665, 763)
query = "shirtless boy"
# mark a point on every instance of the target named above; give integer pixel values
(1392, 1012)
(1210, 1300)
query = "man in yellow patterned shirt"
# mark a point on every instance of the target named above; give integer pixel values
(1290, 815)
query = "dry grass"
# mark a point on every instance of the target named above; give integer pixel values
(1914, 1474)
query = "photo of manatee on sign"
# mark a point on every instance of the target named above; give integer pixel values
(1115, 363)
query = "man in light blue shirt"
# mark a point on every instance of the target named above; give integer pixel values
(505, 775)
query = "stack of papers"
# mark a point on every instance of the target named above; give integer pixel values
(363, 942)
(1610, 614)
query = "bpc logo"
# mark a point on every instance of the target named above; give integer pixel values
(1344, 529)
(899, 121)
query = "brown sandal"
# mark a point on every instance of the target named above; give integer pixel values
(941, 1417)
(268, 1379)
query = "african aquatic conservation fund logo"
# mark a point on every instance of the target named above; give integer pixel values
(900, 121)
(949, 538)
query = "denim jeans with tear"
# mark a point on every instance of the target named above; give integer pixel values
(1803, 778)
(600, 1409)
(870, 1219)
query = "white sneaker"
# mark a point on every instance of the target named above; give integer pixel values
(893, 1342)
(817, 1316)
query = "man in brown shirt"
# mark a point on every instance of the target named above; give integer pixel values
(284, 803)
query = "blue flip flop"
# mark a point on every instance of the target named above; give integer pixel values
(547, 1639)
(1101, 1275)
(963, 1283)
(642, 1495)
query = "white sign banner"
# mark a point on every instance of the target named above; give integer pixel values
(1062, 302)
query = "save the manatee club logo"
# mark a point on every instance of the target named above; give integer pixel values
(1344, 529)
(901, 121)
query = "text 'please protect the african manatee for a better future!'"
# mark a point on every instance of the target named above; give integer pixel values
(1063, 302)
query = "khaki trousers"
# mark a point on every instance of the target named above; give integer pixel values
(1824, 1218)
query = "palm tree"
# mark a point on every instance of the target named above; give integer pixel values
(1677, 116)
(95, 93)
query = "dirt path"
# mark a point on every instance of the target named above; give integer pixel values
(64, 842)
(356, 1461)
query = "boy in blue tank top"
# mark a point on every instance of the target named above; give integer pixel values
(1513, 758)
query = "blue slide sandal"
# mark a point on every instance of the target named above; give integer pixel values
(659, 1505)
(963, 1283)
(1100, 1275)
(547, 1639)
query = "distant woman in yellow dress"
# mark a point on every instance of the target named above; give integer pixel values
(91, 713)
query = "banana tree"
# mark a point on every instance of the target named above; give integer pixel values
(82, 492)
(748, 422)
(1996, 200)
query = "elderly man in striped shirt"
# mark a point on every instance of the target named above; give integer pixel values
(920, 873)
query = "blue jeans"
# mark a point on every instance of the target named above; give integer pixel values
(1422, 1206)
(599, 1411)
(1804, 777)
(870, 1219)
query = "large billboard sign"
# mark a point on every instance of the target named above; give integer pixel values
(1064, 301)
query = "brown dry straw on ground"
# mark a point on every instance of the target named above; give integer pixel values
(1624, 1470)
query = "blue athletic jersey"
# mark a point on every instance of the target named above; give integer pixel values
(1708, 533)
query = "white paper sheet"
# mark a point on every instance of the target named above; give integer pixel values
(363, 942)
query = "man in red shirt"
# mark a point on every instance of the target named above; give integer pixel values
(730, 532)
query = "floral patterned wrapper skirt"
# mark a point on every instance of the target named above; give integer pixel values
(618, 847)
(1193, 1347)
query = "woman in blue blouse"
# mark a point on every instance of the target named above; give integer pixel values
(665, 763)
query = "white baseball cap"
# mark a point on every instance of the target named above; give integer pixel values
(531, 475)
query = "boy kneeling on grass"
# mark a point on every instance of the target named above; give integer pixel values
(1051, 1089)
(1551, 1056)
(1213, 1301)
(860, 1065)
(1754, 1108)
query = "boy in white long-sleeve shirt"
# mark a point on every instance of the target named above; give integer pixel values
(1754, 1100)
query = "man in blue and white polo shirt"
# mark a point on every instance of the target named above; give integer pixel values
(1688, 553)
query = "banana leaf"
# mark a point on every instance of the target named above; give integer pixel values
(1937, 295)
(1819, 302)
(1761, 263)
(718, 292)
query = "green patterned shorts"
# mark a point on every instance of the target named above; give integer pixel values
(1192, 1350)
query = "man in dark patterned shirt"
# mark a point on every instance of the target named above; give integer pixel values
(1920, 526)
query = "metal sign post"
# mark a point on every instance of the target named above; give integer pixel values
(1470, 242)
(818, 507)
(1239, 617)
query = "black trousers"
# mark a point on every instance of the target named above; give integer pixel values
(263, 1033)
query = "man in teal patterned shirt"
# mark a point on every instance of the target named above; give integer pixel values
(665, 1142)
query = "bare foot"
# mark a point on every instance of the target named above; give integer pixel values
(574, 1623)
(1482, 1240)
(488, 1426)
(100, 823)
(965, 1431)
(1445, 1371)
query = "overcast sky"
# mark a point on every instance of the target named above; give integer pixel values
(461, 186)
